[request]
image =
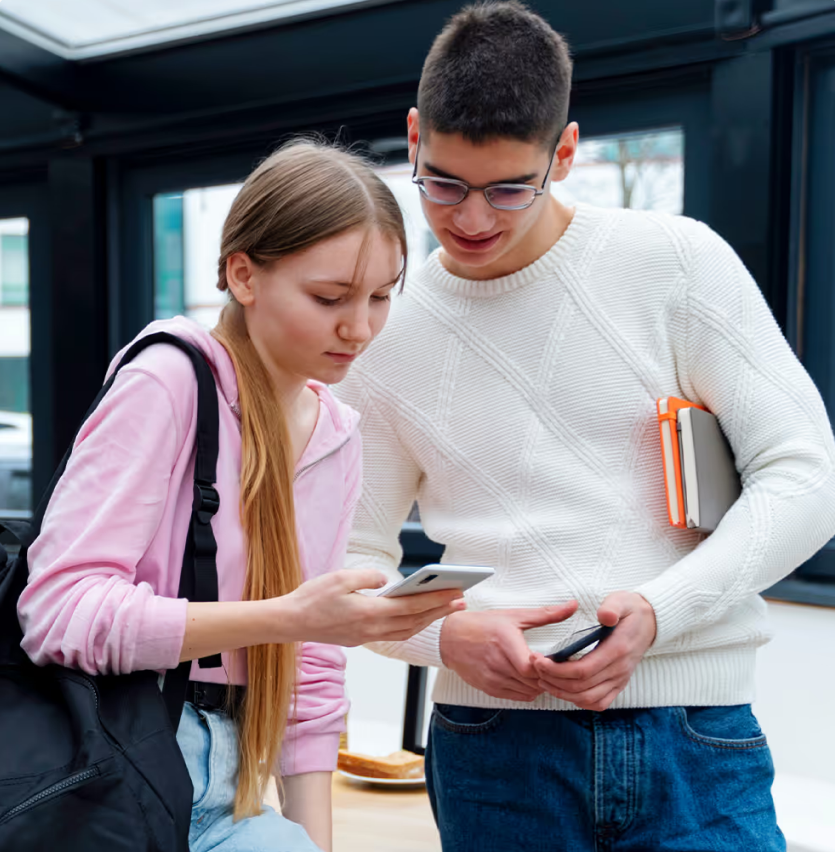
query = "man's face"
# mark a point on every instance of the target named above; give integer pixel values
(480, 241)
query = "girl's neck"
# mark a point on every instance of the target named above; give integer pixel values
(299, 403)
(288, 387)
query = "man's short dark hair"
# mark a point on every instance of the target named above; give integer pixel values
(496, 69)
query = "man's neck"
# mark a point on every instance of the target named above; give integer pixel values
(541, 238)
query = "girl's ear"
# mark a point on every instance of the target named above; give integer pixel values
(239, 277)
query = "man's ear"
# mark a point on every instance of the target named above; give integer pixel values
(566, 151)
(413, 131)
(239, 277)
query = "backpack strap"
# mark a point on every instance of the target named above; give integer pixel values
(198, 578)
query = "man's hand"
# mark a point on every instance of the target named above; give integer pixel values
(488, 649)
(593, 682)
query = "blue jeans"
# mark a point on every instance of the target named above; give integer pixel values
(683, 779)
(209, 743)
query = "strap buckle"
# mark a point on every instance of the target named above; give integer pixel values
(198, 694)
(206, 502)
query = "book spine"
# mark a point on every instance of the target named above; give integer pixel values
(672, 467)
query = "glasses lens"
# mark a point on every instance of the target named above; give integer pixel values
(441, 191)
(510, 197)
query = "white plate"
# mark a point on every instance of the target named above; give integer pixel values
(384, 782)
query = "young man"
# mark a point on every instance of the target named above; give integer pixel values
(513, 395)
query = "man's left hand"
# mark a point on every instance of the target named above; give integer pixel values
(593, 682)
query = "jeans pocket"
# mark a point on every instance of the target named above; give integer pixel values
(199, 756)
(733, 727)
(466, 720)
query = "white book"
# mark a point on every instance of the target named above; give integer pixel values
(710, 481)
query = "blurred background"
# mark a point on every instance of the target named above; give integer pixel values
(126, 128)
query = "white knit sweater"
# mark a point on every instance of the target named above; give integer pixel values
(520, 412)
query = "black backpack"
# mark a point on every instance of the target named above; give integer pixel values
(92, 763)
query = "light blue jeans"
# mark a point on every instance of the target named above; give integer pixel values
(209, 742)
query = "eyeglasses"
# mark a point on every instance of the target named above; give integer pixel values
(502, 196)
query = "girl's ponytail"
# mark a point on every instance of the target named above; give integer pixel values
(304, 193)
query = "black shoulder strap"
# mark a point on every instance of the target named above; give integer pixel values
(198, 579)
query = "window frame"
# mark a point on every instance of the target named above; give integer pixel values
(811, 263)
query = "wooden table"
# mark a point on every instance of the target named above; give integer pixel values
(376, 819)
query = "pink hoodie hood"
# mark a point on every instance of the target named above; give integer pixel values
(104, 573)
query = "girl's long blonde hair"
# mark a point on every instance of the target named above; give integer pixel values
(302, 194)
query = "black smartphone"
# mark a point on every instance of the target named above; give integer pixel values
(581, 639)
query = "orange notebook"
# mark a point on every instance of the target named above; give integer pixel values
(668, 408)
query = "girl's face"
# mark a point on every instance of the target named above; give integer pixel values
(311, 314)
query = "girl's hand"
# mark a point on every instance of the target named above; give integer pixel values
(326, 610)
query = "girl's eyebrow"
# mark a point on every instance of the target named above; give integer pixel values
(349, 285)
(328, 281)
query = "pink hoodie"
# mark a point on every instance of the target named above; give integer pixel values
(105, 570)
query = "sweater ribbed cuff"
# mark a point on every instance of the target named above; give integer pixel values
(676, 603)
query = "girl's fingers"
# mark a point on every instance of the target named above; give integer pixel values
(400, 628)
(417, 604)
(424, 619)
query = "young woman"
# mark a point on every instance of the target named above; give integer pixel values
(311, 251)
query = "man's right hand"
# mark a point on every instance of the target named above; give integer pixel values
(488, 649)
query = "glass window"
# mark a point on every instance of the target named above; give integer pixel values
(169, 289)
(642, 171)
(187, 230)
(15, 420)
(14, 270)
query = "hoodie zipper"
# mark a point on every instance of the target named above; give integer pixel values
(327, 455)
(237, 411)
(55, 789)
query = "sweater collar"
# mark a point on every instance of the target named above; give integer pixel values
(573, 237)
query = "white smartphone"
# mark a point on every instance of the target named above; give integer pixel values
(433, 578)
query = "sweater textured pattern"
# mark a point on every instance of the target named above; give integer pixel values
(520, 412)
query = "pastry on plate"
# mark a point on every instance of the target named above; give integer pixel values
(401, 764)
